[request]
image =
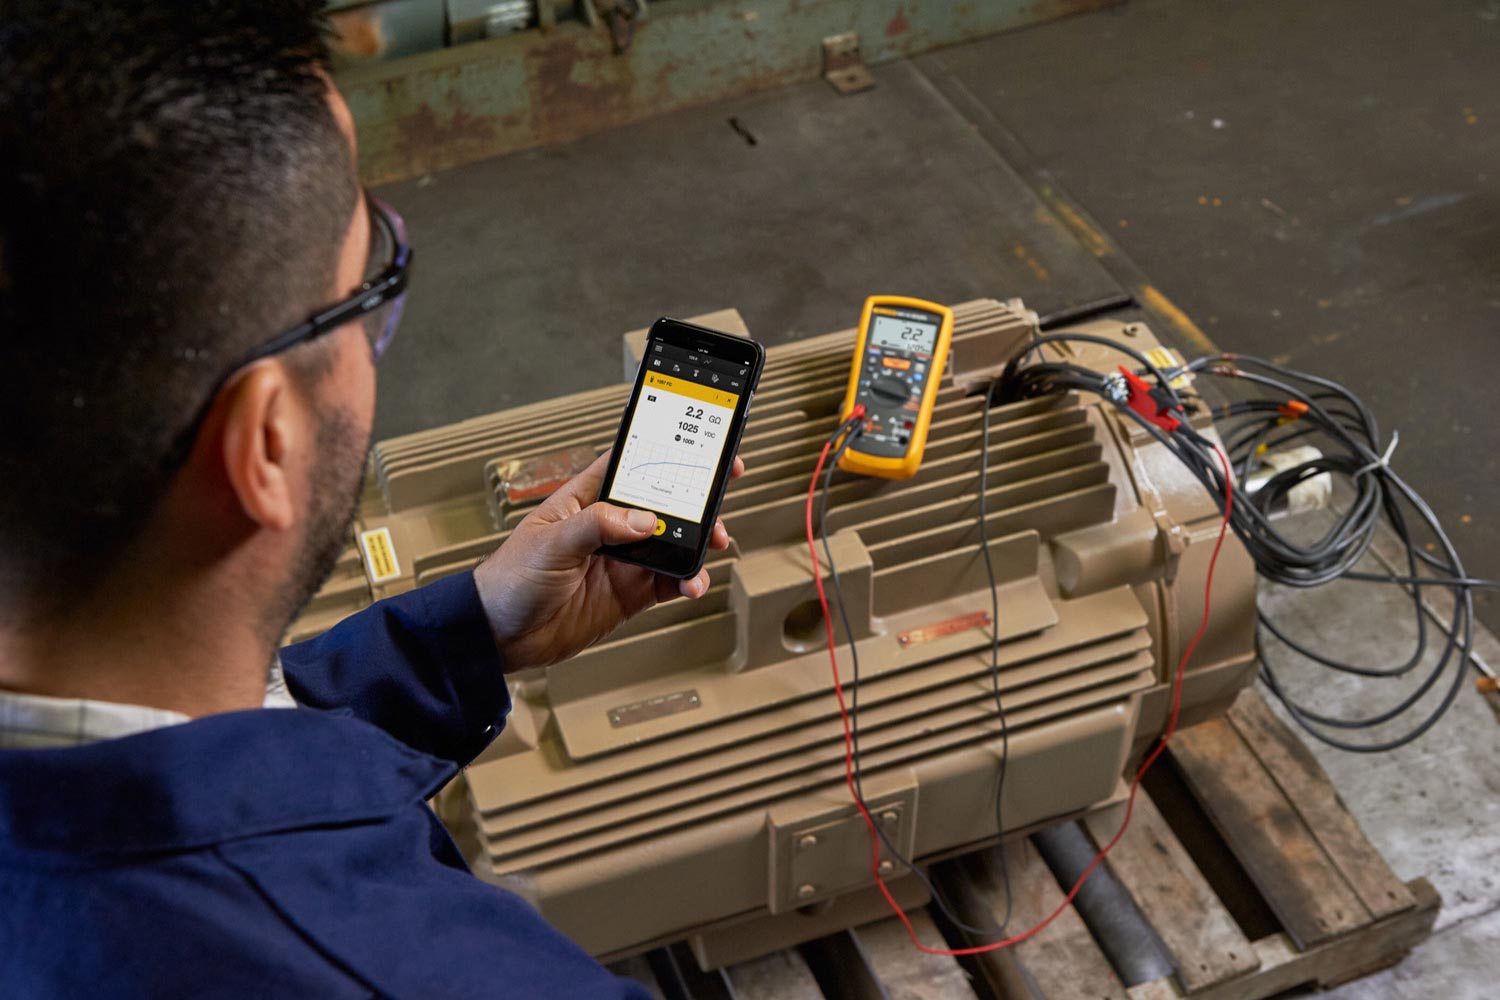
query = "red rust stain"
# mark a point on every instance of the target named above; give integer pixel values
(574, 88)
(421, 135)
(356, 33)
(661, 80)
(898, 25)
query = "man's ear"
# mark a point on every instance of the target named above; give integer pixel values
(262, 430)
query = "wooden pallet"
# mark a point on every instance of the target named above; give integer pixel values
(1247, 866)
(1250, 872)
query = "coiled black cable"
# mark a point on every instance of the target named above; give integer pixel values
(1289, 405)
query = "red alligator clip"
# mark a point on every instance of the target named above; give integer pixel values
(1153, 404)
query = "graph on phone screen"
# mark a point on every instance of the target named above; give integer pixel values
(676, 437)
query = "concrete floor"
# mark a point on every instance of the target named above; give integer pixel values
(1432, 808)
(529, 267)
(1310, 182)
(1317, 183)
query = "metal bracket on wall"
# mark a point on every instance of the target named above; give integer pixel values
(844, 66)
(620, 16)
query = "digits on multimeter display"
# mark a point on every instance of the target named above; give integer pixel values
(903, 334)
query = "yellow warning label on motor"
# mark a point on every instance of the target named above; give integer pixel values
(380, 555)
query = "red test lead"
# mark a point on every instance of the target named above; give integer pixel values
(1166, 736)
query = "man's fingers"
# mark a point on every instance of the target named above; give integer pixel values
(718, 538)
(666, 588)
(603, 524)
(694, 587)
(738, 468)
(583, 489)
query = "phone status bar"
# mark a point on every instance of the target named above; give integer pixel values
(694, 366)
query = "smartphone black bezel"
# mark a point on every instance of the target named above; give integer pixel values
(669, 558)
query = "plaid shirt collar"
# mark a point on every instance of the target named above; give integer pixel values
(35, 722)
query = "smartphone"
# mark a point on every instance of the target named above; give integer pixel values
(678, 438)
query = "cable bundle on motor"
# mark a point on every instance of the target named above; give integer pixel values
(1284, 406)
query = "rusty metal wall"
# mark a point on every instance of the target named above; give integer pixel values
(450, 106)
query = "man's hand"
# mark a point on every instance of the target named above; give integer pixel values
(548, 594)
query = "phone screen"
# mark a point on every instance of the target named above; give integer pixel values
(679, 430)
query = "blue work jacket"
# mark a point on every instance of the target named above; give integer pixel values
(282, 852)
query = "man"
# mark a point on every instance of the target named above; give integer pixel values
(193, 293)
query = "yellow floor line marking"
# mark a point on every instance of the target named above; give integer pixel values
(1190, 331)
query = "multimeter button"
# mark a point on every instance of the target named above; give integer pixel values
(901, 364)
(891, 389)
(661, 527)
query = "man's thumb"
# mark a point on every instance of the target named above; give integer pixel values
(605, 524)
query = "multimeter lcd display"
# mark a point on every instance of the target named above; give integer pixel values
(893, 333)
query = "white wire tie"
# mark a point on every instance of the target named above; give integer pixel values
(1384, 461)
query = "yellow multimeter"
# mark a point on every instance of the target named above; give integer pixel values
(898, 362)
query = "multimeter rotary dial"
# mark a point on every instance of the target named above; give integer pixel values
(892, 389)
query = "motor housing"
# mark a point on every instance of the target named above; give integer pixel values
(685, 777)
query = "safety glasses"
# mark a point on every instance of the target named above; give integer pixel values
(377, 302)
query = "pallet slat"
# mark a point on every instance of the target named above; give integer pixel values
(782, 975)
(1160, 876)
(1284, 966)
(905, 972)
(1307, 788)
(1278, 851)
(1063, 960)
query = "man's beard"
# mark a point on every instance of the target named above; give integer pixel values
(336, 485)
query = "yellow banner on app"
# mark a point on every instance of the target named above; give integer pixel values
(682, 387)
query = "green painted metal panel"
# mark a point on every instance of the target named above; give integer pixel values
(450, 106)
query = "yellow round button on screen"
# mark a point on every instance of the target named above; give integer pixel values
(661, 527)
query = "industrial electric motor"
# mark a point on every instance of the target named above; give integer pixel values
(684, 778)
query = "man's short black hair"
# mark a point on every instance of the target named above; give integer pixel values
(174, 191)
